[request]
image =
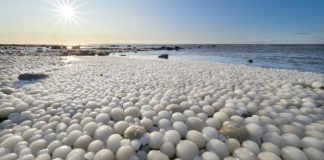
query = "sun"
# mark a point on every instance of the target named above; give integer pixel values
(66, 11)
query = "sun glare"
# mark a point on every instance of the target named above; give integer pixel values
(66, 11)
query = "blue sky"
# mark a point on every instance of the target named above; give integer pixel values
(163, 21)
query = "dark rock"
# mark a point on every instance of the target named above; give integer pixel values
(101, 74)
(76, 47)
(58, 47)
(30, 77)
(250, 61)
(177, 48)
(164, 56)
(122, 55)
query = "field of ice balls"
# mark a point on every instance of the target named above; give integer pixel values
(106, 108)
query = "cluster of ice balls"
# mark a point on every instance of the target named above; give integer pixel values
(114, 108)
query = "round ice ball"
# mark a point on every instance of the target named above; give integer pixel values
(232, 144)
(104, 154)
(172, 136)
(173, 108)
(102, 118)
(168, 148)
(292, 153)
(76, 154)
(209, 133)
(136, 144)
(74, 135)
(274, 138)
(11, 142)
(22, 106)
(61, 152)
(268, 156)
(103, 132)
(313, 153)
(125, 152)
(132, 111)
(120, 127)
(147, 123)
(218, 147)
(90, 128)
(252, 146)
(181, 128)
(292, 140)
(45, 156)
(155, 140)
(186, 150)
(153, 155)
(243, 154)
(92, 105)
(196, 137)
(113, 142)
(209, 156)
(83, 142)
(270, 147)
(195, 123)
(96, 146)
(38, 145)
(117, 114)
(312, 142)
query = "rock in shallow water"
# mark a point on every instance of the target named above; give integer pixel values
(32, 76)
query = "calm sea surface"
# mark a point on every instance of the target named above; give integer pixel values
(293, 57)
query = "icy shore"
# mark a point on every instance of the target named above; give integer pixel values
(123, 108)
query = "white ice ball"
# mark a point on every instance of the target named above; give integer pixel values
(113, 142)
(218, 147)
(11, 142)
(96, 146)
(120, 127)
(252, 146)
(292, 153)
(209, 156)
(268, 156)
(172, 136)
(196, 137)
(313, 153)
(61, 152)
(312, 142)
(103, 132)
(76, 154)
(244, 154)
(168, 148)
(155, 140)
(83, 142)
(125, 152)
(209, 133)
(187, 150)
(38, 145)
(181, 127)
(154, 155)
(104, 154)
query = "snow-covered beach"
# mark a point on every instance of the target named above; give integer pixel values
(130, 108)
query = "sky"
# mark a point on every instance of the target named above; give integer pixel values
(161, 21)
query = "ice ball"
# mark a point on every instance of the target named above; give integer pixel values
(187, 150)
